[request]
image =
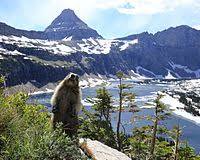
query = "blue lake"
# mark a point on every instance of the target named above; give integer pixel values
(145, 92)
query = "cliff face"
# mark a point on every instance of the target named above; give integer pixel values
(11, 31)
(69, 45)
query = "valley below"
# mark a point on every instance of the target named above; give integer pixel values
(146, 92)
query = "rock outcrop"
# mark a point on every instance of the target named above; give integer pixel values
(99, 151)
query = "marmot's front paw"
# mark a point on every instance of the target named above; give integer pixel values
(54, 110)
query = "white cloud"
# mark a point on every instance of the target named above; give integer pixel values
(87, 8)
(150, 7)
(146, 7)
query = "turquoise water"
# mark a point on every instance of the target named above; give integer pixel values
(144, 93)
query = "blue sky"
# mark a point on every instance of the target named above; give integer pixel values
(111, 18)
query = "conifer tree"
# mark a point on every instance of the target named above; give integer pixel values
(161, 112)
(123, 97)
(96, 124)
(177, 133)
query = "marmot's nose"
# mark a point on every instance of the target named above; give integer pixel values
(73, 76)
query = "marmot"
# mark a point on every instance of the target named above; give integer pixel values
(66, 103)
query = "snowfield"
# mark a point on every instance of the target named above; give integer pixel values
(178, 108)
(127, 44)
(66, 46)
(189, 91)
(13, 53)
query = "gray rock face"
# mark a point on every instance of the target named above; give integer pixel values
(175, 50)
(68, 24)
(181, 36)
(100, 151)
(8, 31)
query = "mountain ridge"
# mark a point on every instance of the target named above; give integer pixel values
(7, 30)
(71, 25)
(66, 14)
(173, 52)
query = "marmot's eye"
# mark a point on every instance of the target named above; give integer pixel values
(77, 77)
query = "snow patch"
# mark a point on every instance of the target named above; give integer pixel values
(42, 92)
(178, 108)
(67, 38)
(185, 68)
(54, 47)
(136, 76)
(92, 81)
(169, 76)
(15, 52)
(27, 58)
(93, 41)
(96, 46)
(147, 107)
(138, 68)
(12, 53)
(128, 43)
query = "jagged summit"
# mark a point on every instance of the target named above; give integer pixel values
(178, 36)
(68, 11)
(68, 24)
(67, 20)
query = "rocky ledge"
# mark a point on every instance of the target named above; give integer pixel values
(99, 151)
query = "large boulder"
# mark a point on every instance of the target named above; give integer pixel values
(99, 151)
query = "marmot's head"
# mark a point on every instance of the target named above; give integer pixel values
(72, 80)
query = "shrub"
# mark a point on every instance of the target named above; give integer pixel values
(26, 133)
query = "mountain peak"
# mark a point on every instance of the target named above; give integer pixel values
(66, 20)
(67, 15)
(68, 11)
(69, 24)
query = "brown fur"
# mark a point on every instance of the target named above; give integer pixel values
(66, 103)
